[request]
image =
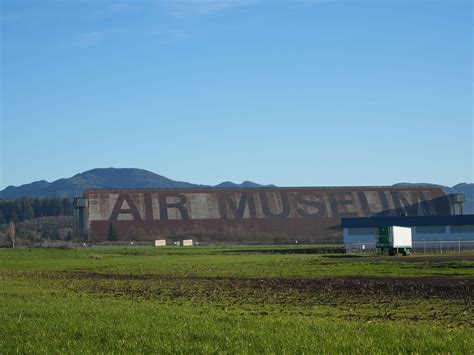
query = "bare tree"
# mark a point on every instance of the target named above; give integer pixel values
(12, 233)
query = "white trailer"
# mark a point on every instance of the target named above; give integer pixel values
(401, 237)
(394, 239)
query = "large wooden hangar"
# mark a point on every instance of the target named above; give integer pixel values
(309, 214)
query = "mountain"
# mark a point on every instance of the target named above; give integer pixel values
(104, 178)
(446, 189)
(139, 178)
(464, 188)
(468, 191)
(230, 184)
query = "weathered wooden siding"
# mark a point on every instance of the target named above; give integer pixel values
(283, 214)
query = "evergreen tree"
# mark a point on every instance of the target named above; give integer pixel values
(37, 207)
(45, 207)
(28, 208)
(18, 209)
(7, 208)
(67, 206)
(28, 213)
(57, 207)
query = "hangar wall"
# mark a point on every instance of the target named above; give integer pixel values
(252, 214)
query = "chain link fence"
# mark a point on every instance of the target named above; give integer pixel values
(428, 246)
(443, 246)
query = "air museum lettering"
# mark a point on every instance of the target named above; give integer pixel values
(150, 206)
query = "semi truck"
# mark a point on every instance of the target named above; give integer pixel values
(394, 240)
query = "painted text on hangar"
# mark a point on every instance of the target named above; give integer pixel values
(305, 213)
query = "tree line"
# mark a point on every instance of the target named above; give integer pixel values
(24, 208)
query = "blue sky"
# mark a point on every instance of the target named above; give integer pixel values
(284, 92)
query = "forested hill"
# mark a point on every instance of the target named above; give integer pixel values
(26, 208)
(104, 178)
(96, 178)
(139, 178)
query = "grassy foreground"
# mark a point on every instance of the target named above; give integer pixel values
(237, 300)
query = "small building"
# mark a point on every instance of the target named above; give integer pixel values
(187, 242)
(429, 233)
(160, 242)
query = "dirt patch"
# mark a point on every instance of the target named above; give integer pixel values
(419, 287)
(312, 250)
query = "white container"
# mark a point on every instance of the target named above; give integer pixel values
(400, 237)
(187, 243)
(160, 242)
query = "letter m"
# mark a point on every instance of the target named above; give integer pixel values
(238, 207)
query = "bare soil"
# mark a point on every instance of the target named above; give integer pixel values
(403, 287)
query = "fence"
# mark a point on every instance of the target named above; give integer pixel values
(419, 246)
(443, 246)
(428, 246)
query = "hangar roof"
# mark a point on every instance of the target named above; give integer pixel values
(207, 189)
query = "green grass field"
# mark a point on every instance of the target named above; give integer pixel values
(234, 300)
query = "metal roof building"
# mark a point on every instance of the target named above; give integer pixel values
(249, 215)
(408, 221)
(428, 232)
